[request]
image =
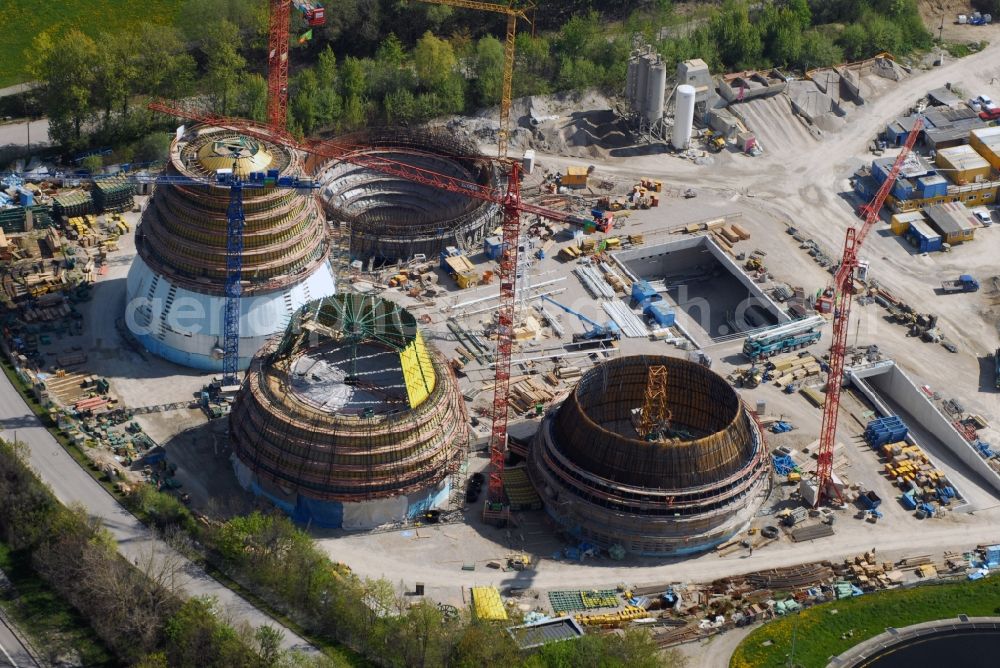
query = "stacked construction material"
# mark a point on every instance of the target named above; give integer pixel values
(113, 194)
(72, 203)
(487, 604)
(885, 430)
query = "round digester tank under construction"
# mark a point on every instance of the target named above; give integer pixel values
(351, 420)
(175, 290)
(651, 456)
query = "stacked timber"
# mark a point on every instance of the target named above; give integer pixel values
(528, 394)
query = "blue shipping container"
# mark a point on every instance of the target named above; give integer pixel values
(661, 314)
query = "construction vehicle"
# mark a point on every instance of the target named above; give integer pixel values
(782, 338)
(519, 561)
(596, 331)
(749, 378)
(965, 283)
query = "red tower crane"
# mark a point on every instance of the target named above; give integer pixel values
(507, 196)
(840, 304)
(277, 53)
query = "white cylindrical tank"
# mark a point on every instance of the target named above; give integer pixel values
(631, 79)
(642, 74)
(683, 117)
(656, 88)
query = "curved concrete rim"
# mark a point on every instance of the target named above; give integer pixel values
(893, 637)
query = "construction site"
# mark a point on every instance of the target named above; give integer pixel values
(655, 387)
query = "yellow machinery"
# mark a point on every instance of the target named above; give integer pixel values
(513, 14)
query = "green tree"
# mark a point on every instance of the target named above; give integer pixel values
(483, 644)
(400, 106)
(196, 639)
(818, 50)
(116, 75)
(854, 40)
(303, 105)
(738, 38)
(802, 12)
(782, 35)
(489, 70)
(579, 35)
(883, 34)
(64, 63)
(534, 67)
(167, 69)
(434, 61)
(153, 147)
(352, 78)
(251, 97)
(224, 64)
(93, 164)
(329, 105)
(391, 52)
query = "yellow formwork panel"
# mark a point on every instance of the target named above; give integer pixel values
(418, 371)
(486, 604)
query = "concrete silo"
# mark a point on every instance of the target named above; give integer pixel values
(656, 87)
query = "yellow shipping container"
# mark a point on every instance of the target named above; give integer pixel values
(575, 177)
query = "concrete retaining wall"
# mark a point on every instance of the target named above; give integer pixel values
(889, 379)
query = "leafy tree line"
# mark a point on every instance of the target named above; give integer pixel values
(136, 610)
(282, 563)
(381, 61)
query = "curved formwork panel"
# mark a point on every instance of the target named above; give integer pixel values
(680, 483)
(394, 219)
(350, 407)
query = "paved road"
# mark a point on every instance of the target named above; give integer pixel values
(12, 652)
(71, 484)
(15, 133)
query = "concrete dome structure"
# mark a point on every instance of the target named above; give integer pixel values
(175, 297)
(615, 470)
(350, 420)
(393, 218)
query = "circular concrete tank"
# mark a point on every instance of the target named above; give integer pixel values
(690, 485)
(350, 420)
(175, 290)
(392, 218)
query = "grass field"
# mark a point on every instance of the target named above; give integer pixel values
(818, 630)
(52, 624)
(23, 19)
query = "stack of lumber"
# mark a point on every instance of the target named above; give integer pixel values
(528, 393)
(787, 371)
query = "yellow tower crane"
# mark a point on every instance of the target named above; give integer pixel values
(513, 14)
(654, 421)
